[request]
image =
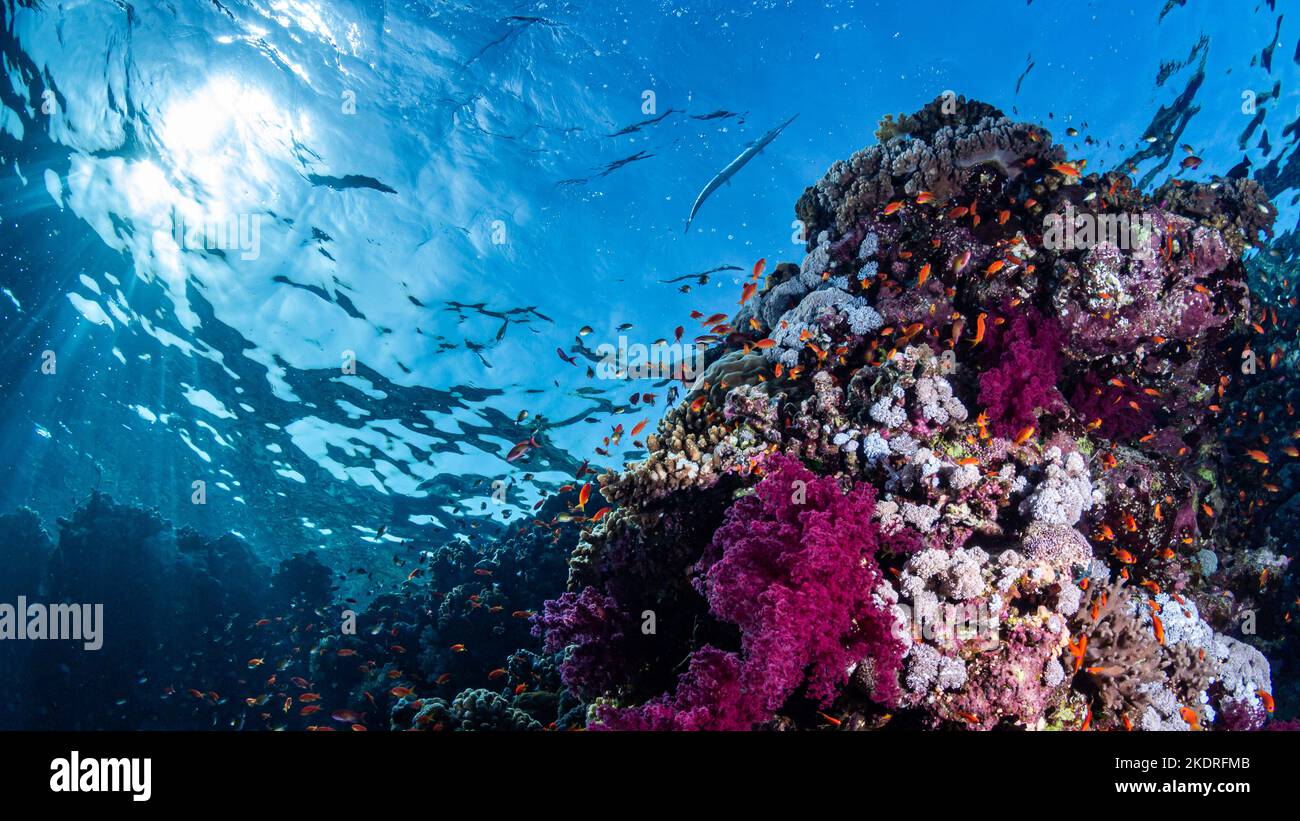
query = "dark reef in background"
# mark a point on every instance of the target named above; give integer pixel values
(200, 633)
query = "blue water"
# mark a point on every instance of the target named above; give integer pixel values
(532, 163)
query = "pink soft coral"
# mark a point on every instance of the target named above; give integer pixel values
(794, 567)
(1022, 383)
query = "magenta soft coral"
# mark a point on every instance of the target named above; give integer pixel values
(709, 697)
(1022, 383)
(794, 567)
(1116, 411)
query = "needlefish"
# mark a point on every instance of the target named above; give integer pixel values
(735, 165)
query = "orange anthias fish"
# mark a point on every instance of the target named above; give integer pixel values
(832, 719)
(1024, 435)
(923, 275)
(1079, 649)
(638, 427)
(764, 344)
(1191, 717)
(1258, 455)
(893, 207)
(758, 268)
(1065, 169)
(1266, 699)
(600, 514)
(1159, 628)
(584, 495)
(747, 291)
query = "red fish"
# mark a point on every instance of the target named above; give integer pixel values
(521, 448)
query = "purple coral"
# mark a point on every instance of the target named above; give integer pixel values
(1118, 411)
(709, 697)
(1023, 382)
(593, 626)
(794, 566)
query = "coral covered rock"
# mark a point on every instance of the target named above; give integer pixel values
(994, 382)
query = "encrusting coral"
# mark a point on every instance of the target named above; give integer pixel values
(950, 470)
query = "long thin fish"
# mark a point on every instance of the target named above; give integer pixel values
(734, 166)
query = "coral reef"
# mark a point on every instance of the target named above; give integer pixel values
(968, 454)
(1002, 451)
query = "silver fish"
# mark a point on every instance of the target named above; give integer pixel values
(734, 166)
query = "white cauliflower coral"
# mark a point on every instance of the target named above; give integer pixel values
(1064, 493)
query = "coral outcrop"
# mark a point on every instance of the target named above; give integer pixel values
(958, 467)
